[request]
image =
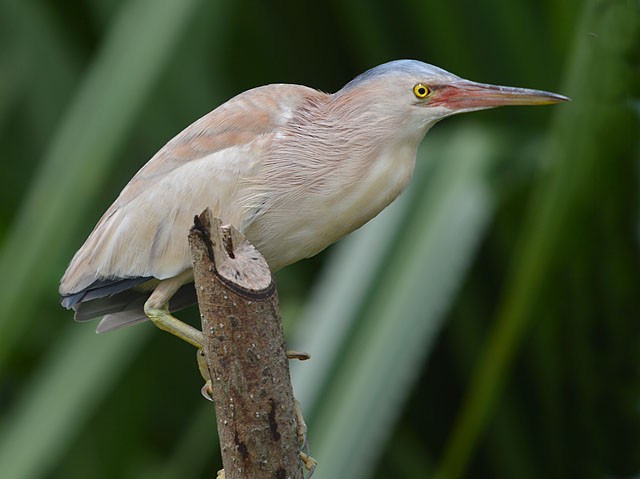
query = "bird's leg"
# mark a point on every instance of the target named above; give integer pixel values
(164, 320)
(302, 425)
(309, 462)
(157, 310)
(301, 429)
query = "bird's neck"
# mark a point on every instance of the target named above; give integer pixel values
(323, 181)
(363, 158)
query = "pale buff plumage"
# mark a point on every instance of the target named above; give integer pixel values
(293, 168)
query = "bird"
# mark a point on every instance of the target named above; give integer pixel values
(292, 168)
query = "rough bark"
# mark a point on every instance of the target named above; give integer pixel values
(245, 354)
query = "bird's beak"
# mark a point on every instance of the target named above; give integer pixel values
(467, 95)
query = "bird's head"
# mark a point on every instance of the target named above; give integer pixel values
(417, 94)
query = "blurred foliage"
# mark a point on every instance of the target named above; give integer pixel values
(487, 325)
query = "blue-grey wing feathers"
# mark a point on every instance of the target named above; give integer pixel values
(121, 302)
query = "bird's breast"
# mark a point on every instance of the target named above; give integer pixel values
(372, 187)
(352, 193)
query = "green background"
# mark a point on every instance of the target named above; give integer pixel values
(487, 325)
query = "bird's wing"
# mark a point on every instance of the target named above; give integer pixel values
(144, 232)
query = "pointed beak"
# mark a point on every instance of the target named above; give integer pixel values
(466, 95)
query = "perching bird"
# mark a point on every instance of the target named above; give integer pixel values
(292, 168)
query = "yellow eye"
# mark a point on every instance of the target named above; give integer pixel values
(421, 91)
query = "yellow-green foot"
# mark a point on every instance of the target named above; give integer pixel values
(301, 429)
(206, 390)
(309, 463)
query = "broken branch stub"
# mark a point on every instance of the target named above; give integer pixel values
(245, 354)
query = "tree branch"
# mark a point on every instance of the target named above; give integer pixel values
(245, 353)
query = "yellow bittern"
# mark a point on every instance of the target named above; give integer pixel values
(293, 168)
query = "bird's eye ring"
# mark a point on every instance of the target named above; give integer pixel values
(421, 90)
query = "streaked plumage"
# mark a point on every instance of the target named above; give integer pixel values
(293, 168)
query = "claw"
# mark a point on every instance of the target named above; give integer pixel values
(309, 463)
(206, 391)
